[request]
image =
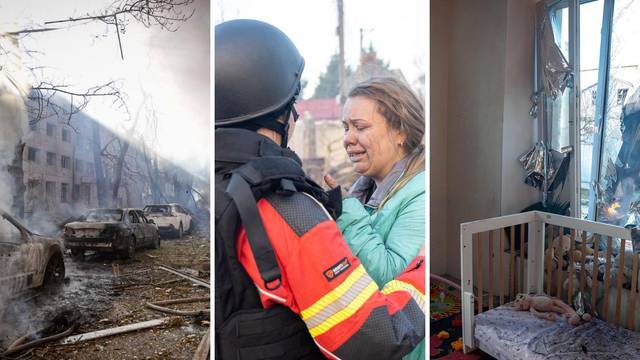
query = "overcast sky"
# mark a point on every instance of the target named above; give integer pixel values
(397, 30)
(171, 67)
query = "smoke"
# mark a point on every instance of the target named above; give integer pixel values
(13, 89)
(181, 60)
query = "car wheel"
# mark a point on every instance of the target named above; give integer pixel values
(180, 231)
(55, 271)
(130, 250)
(156, 243)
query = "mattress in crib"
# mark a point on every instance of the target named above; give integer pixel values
(508, 334)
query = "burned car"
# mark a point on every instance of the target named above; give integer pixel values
(27, 260)
(120, 231)
(172, 219)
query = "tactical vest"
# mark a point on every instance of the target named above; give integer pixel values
(245, 330)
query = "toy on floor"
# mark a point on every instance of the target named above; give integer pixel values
(443, 335)
(457, 345)
(545, 307)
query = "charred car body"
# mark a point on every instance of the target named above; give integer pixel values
(171, 219)
(120, 231)
(27, 260)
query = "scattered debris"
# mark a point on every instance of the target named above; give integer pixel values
(29, 345)
(193, 279)
(120, 330)
(156, 306)
(202, 352)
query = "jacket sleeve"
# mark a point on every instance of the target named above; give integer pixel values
(342, 307)
(384, 255)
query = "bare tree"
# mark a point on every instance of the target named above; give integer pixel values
(167, 14)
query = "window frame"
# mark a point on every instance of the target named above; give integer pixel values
(67, 137)
(62, 162)
(53, 158)
(32, 151)
(51, 128)
(64, 193)
(574, 107)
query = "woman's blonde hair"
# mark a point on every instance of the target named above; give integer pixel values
(403, 111)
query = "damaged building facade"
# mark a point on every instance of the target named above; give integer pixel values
(59, 165)
(59, 170)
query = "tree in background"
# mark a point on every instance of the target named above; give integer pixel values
(370, 65)
(329, 82)
(370, 56)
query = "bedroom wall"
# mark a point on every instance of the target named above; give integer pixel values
(519, 129)
(438, 114)
(482, 126)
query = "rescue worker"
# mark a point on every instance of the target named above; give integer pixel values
(286, 284)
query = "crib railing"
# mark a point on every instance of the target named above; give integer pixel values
(497, 264)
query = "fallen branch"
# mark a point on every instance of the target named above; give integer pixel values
(202, 352)
(118, 330)
(193, 279)
(156, 306)
(14, 349)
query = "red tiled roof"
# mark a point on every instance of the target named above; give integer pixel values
(319, 109)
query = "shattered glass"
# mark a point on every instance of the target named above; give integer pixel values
(556, 72)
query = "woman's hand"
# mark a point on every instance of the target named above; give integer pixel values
(330, 181)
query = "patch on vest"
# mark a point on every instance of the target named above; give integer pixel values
(337, 269)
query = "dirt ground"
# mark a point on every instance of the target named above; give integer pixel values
(102, 292)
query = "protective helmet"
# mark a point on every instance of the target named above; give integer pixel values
(257, 70)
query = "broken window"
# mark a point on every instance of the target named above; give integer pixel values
(608, 116)
(50, 129)
(9, 232)
(50, 188)
(64, 192)
(66, 135)
(622, 94)
(32, 154)
(51, 159)
(102, 215)
(133, 217)
(65, 162)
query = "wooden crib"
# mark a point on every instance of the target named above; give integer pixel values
(494, 272)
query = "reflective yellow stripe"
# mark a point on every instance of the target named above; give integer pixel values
(396, 285)
(345, 313)
(334, 294)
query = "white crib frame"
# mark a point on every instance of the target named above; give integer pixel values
(535, 249)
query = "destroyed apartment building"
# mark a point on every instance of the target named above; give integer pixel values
(62, 155)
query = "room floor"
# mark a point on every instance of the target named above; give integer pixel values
(446, 324)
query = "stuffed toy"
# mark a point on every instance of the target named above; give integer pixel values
(457, 345)
(565, 245)
(546, 307)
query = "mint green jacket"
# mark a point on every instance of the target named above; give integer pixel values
(386, 240)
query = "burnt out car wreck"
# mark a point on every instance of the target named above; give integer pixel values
(118, 231)
(27, 260)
